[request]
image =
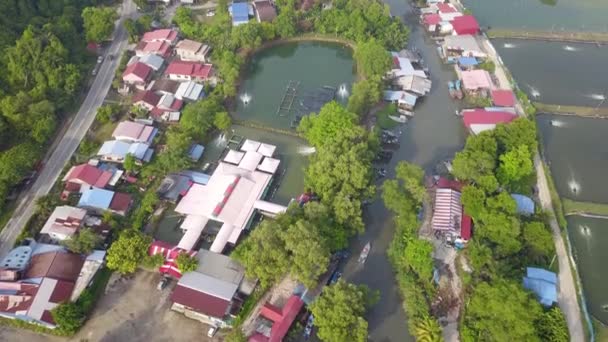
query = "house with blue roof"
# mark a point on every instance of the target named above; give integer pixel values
(525, 205)
(543, 283)
(239, 12)
(102, 200)
(196, 152)
(116, 151)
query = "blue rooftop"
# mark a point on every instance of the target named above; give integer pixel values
(525, 205)
(467, 61)
(196, 152)
(96, 198)
(543, 283)
(196, 177)
(240, 13)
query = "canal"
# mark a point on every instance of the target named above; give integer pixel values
(543, 15)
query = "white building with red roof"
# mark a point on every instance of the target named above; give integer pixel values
(159, 48)
(479, 120)
(137, 74)
(86, 175)
(134, 132)
(146, 100)
(162, 35)
(189, 71)
(63, 223)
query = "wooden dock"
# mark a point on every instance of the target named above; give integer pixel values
(291, 92)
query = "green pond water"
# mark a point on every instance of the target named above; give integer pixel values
(308, 65)
(543, 15)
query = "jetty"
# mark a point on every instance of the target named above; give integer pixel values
(598, 38)
(291, 92)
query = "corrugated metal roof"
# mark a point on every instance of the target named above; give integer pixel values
(448, 209)
(96, 198)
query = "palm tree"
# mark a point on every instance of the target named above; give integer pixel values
(427, 329)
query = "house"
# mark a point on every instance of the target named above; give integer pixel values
(155, 62)
(168, 102)
(159, 48)
(403, 99)
(116, 151)
(467, 63)
(146, 100)
(63, 223)
(503, 98)
(232, 196)
(190, 50)
(212, 293)
(190, 91)
(462, 46)
(447, 213)
(415, 84)
(163, 35)
(264, 11)
(447, 12)
(525, 205)
(189, 71)
(101, 200)
(137, 74)
(479, 120)
(403, 66)
(430, 21)
(176, 185)
(465, 24)
(281, 320)
(165, 86)
(47, 276)
(240, 13)
(134, 132)
(85, 176)
(543, 283)
(476, 82)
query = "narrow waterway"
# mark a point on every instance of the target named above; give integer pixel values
(543, 15)
(434, 134)
(556, 72)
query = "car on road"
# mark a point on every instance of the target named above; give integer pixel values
(99, 59)
(163, 283)
(94, 72)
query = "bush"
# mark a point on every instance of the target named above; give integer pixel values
(153, 261)
(69, 317)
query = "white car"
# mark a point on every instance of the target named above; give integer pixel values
(99, 59)
(210, 14)
(211, 331)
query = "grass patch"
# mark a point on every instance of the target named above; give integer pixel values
(601, 331)
(383, 117)
(7, 213)
(571, 110)
(575, 207)
(558, 207)
(248, 306)
(104, 131)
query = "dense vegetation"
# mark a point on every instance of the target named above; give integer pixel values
(43, 58)
(495, 164)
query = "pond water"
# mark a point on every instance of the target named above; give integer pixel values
(544, 15)
(557, 73)
(308, 65)
(589, 239)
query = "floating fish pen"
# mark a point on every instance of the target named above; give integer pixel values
(315, 100)
(291, 92)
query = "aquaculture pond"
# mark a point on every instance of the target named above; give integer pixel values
(292, 79)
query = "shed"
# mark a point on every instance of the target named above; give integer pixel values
(543, 283)
(195, 152)
(465, 24)
(467, 61)
(240, 13)
(153, 61)
(525, 205)
(503, 98)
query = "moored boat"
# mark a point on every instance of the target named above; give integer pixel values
(365, 253)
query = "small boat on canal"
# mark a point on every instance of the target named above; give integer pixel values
(458, 86)
(365, 253)
(452, 89)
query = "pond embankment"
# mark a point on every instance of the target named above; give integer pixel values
(590, 112)
(599, 38)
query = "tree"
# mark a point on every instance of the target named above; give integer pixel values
(515, 165)
(130, 163)
(263, 254)
(517, 310)
(428, 330)
(552, 326)
(153, 261)
(127, 251)
(198, 117)
(418, 258)
(478, 158)
(502, 230)
(68, 317)
(333, 119)
(339, 311)
(98, 23)
(222, 121)
(473, 201)
(365, 94)
(521, 131)
(538, 242)
(84, 242)
(372, 58)
(285, 23)
(186, 263)
(319, 215)
(309, 253)
(105, 113)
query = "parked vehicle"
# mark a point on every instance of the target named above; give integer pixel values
(163, 283)
(99, 59)
(452, 89)
(211, 332)
(457, 85)
(365, 253)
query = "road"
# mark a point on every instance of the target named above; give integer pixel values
(567, 297)
(68, 143)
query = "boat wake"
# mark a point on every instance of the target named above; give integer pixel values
(509, 46)
(598, 97)
(569, 48)
(574, 186)
(585, 230)
(558, 123)
(534, 92)
(306, 150)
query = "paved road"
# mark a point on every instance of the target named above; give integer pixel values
(72, 137)
(567, 297)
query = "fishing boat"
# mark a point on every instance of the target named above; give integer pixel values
(452, 89)
(459, 94)
(400, 119)
(365, 253)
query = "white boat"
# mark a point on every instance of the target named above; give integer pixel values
(365, 253)
(401, 118)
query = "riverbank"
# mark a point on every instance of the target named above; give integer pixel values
(589, 112)
(587, 209)
(557, 36)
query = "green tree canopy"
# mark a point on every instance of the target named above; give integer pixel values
(552, 326)
(372, 58)
(333, 119)
(186, 263)
(98, 23)
(198, 117)
(365, 94)
(516, 308)
(222, 121)
(68, 317)
(128, 251)
(339, 311)
(478, 158)
(538, 242)
(84, 242)
(515, 165)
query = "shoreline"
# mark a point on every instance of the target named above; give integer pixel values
(598, 38)
(565, 110)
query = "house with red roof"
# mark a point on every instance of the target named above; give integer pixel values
(503, 98)
(447, 12)
(134, 132)
(476, 82)
(162, 35)
(137, 74)
(159, 48)
(64, 222)
(465, 24)
(146, 100)
(430, 21)
(86, 176)
(280, 318)
(189, 71)
(212, 293)
(479, 120)
(448, 212)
